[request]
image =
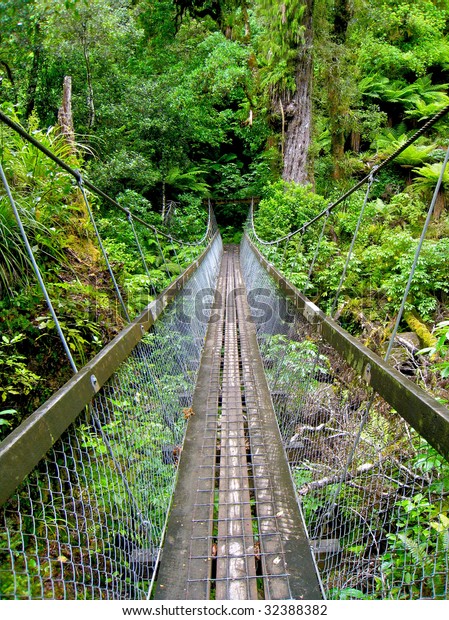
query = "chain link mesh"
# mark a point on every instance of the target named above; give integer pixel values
(373, 493)
(88, 522)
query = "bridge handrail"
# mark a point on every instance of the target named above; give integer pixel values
(27, 444)
(423, 412)
(96, 190)
(375, 170)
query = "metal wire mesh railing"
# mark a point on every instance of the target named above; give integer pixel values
(88, 521)
(372, 490)
(85, 496)
(87, 271)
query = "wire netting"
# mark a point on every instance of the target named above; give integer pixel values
(374, 494)
(74, 271)
(88, 522)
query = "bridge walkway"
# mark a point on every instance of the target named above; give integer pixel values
(235, 531)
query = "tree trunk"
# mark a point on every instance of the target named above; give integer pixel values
(336, 83)
(338, 152)
(65, 118)
(439, 205)
(163, 202)
(355, 141)
(415, 323)
(10, 78)
(298, 111)
(245, 15)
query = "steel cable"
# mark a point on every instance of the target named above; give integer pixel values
(430, 123)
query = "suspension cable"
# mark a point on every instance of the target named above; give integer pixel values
(354, 237)
(167, 270)
(430, 123)
(37, 270)
(317, 249)
(142, 256)
(75, 173)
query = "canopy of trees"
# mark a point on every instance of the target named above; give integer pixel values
(176, 101)
(242, 91)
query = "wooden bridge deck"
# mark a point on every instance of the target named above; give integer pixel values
(235, 531)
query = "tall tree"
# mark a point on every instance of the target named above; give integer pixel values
(337, 79)
(298, 108)
(287, 69)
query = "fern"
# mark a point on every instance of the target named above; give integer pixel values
(428, 176)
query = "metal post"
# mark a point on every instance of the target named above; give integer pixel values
(37, 270)
(105, 256)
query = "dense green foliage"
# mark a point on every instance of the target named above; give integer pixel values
(63, 241)
(179, 101)
(176, 102)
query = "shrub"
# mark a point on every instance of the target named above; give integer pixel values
(286, 206)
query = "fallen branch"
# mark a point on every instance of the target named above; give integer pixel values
(340, 478)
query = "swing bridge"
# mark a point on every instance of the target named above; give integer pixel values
(232, 442)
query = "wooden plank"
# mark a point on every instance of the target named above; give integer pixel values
(288, 566)
(186, 564)
(236, 569)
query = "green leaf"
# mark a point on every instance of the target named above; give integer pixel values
(8, 412)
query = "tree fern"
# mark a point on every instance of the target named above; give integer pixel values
(428, 175)
(390, 140)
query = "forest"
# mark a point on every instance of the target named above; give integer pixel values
(178, 102)
(168, 106)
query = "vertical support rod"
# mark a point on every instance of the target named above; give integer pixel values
(351, 249)
(37, 270)
(315, 255)
(105, 256)
(142, 256)
(417, 253)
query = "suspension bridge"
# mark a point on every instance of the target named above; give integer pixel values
(232, 442)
